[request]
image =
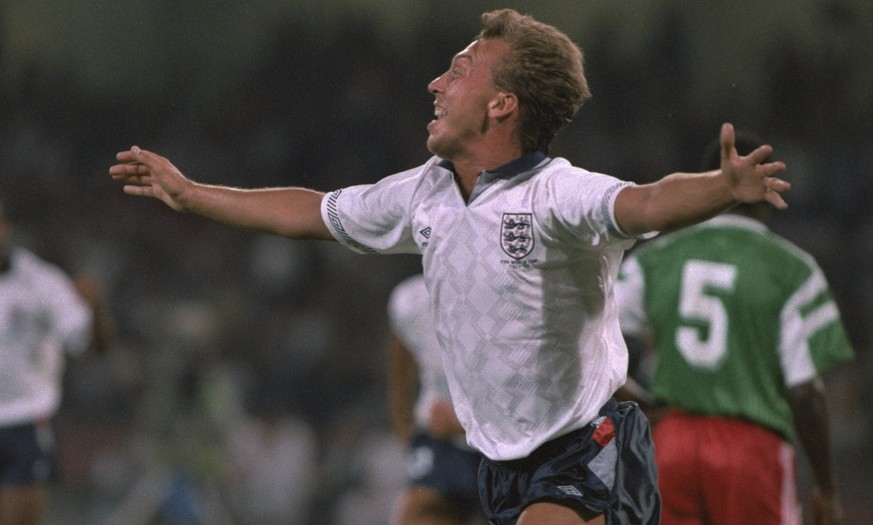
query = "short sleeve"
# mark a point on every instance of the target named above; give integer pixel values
(374, 218)
(812, 336)
(582, 203)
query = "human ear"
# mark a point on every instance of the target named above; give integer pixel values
(503, 105)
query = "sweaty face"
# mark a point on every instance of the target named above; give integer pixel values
(461, 100)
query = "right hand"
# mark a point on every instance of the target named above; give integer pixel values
(147, 174)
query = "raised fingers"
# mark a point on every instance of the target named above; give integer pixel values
(773, 188)
(727, 138)
(776, 184)
(126, 171)
(125, 156)
(139, 190)
(775, 198)
(760, 154)
(772, 168)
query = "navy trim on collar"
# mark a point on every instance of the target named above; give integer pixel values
(526, 162)
(446, 164)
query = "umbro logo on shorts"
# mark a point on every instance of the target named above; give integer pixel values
(570, 490)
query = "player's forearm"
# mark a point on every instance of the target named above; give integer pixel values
(677, 200)
(812, 425)
(400, 401)
(290, 212)
(402, 387)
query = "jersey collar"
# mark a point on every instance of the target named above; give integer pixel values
(738, 221)
(526, 162)
(522, 164)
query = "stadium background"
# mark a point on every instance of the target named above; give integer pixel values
(214, 323)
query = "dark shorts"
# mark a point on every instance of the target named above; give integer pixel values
(606, 467)
(446, 468)
(27, 454)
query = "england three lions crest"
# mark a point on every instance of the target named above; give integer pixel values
(516, 234)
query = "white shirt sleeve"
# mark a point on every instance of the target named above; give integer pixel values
(798, 322)
(374, 218)
(582, 203)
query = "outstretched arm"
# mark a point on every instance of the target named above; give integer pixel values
(290, 212)
(682, 199)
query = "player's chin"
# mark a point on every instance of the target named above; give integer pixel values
(433, 144)
(439, 145)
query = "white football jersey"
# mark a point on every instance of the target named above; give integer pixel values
(41, 315)
(520, 280)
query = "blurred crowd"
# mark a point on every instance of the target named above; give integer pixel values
(247, 383)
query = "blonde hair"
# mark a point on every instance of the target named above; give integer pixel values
(543, 68)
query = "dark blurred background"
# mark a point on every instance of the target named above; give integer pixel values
(247, 382)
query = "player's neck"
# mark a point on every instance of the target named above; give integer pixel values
(468, 167)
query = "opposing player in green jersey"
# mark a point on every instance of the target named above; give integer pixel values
(742, 323)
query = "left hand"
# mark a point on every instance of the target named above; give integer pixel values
(751, 181)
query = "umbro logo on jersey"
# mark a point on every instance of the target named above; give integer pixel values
(516, 234)
(425, 232)
(570, 490)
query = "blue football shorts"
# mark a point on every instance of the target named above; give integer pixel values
(606, 467)
(446, 467)
(27, 454)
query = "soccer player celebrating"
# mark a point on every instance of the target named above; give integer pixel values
(520, 252)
